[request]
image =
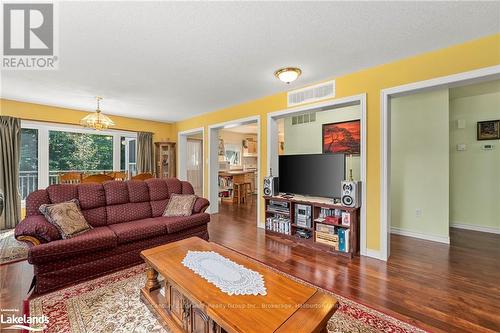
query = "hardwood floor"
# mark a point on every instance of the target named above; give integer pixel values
(444, 288)
(452, 288)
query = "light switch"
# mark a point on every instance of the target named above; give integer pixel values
(461, 147)
(461, 123)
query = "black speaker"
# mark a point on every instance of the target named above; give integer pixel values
(271, 186)
(351, 191)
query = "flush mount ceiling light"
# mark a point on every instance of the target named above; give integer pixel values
(97, 120)
(288, 74)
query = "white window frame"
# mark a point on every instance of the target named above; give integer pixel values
(43, 144)
(234, 147)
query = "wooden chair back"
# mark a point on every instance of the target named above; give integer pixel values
(96, 179)
(70, 178)
(143, 176)
(119, 175)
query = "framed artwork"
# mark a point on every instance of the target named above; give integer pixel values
(488, 130)
(343, 137)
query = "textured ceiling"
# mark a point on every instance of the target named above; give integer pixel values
(169, 61)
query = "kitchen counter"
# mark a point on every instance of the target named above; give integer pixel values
(235, 172)
(228, 178)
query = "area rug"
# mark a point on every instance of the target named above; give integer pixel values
(10, 249)
(112, 304)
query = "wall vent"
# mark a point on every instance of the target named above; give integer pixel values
(304, 118)
(310, 94)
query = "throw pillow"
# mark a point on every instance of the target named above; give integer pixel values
(66, 217)
(180, 205)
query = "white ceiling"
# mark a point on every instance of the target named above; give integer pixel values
(243, 129)
(169, 61)
(482, 88)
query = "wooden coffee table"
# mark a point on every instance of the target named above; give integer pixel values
(191, 304)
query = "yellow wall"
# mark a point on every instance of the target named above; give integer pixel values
(38, 112)
(472, 55)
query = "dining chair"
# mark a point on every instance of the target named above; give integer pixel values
(143, 176)
(101, 178)
(119, 175)
(70, 178)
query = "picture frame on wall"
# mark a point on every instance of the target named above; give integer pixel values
(342, 137)
(488, 130)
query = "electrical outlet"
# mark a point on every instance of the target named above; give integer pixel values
(418, 212)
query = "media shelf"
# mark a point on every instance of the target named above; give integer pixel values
(325, 235)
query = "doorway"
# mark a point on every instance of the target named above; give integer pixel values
(433, 156)
(194, 163)
(234, 165)
(191, 159)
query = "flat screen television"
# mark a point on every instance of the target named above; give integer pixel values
(314, 175)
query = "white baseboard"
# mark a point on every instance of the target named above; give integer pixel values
(433, 238)
(473, 227)
(373, 254)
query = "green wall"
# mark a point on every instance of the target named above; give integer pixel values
(420, 165)
(474, 173)
(307, 138)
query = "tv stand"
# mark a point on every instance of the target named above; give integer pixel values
(324, 234)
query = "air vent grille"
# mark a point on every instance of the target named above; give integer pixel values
(311, 94)
(304, 118)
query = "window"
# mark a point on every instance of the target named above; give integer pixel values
(86, 153)
(47, 150)
(232, 153)
(28, 162)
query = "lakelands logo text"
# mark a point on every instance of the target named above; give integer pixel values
(33, 324)
(29, 41)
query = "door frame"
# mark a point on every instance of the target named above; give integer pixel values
(213, 161)
(449, 81)
(182, 138)
(272, 147)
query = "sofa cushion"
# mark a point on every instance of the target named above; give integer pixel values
(62, 192)
(137, 230)
(158, 189)
(66, 217)
(91, 195)
(116, 192)
(138, 191)
(158, 207)
(187, 188)
(128, 212)
(178, 223)
(35, 200)
(96, 217)
(93, 240)
(174, 186)
(180, 205)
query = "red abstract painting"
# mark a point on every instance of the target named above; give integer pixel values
(342, 137)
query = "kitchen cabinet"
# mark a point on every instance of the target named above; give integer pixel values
(250, 148)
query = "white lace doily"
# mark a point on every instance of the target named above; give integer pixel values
(228, 276)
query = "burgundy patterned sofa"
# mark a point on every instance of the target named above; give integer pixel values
(126, 217)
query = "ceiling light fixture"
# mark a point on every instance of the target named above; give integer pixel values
(97, 120)
(288, 74)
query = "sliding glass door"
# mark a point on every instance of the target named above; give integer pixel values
(128, 155)
(49, 150)
(79, 152)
